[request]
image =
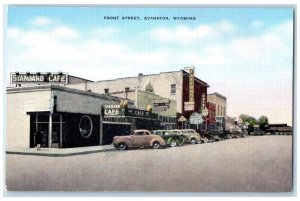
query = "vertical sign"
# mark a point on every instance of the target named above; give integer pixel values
(191, 84)
(204, 109)
(191, 81)
(190, 104)
(203, 101)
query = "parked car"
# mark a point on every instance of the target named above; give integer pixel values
(170, 137)
(206, 137)
(191, 135)
(257, 131)
(139, 138)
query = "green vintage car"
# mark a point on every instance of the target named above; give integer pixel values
(171, 138)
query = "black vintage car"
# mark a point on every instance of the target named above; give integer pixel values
(171, 138)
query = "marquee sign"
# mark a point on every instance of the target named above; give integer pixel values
(28, 77)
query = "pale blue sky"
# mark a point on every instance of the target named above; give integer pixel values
(244, 53)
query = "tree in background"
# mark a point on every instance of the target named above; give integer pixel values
(263, 121)
(246, 118)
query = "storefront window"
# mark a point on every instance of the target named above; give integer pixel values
(85, 126)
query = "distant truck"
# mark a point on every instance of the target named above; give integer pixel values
(139, 138)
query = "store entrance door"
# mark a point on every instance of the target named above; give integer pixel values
(39, 130)
(41, 137)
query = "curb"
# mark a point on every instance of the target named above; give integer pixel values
(58, 154)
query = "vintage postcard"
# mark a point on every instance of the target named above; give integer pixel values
(149, 99)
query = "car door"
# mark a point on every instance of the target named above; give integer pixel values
(139, 139)
(148, 138)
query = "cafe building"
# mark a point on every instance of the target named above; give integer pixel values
(48, 114)
(53, 116)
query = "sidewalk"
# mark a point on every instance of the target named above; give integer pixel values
(60, 152)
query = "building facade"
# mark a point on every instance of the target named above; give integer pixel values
(220, 101)
(173, 85)
(211, 118)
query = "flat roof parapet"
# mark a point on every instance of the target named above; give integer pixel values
(61, 88)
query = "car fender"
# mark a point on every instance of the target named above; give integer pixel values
(196, 137)
(168, 141)
(161, 141)
(128, 142)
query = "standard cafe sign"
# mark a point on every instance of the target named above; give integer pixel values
(17, 77)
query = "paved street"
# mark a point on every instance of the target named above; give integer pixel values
(252, 164)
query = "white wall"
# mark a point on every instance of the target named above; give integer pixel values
(78, 103)
(17, 120)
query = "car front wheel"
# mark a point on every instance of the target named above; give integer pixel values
(122, 146)
(205, 140)
(173, 143)
(156, 145)
(193, 141)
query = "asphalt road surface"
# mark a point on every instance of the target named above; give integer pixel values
(251, 164)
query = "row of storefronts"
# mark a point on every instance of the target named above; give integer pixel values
(59, 113)
(60, 117)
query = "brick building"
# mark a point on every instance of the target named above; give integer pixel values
(211, 118)
(220, 101)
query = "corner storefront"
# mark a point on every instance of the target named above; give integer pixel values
(54, 116)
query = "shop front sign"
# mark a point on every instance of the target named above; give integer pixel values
(161, 105)
(113, 110)
(139, 113)
(28, 77)
(116, 110)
